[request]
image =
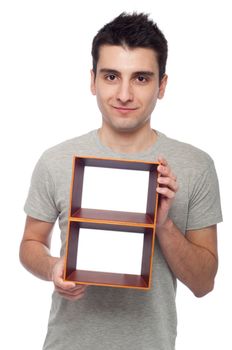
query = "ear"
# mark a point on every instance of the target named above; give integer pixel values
(93, 85)
(162, 86)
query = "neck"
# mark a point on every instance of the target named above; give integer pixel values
(127, 142)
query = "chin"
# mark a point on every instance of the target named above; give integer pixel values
(126, 128)
(124, 124)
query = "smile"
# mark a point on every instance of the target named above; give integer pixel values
(124, 109)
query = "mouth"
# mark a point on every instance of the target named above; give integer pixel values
(124, 109)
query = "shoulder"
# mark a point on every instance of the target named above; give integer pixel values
(57, 160)
(79, 142)
(185, 155)
(67, 149)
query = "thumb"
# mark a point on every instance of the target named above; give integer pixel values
(58, 274)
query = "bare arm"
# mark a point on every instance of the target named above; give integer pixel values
(193, 257)
(35, 248)
(36, 258)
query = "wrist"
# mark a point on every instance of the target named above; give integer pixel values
(167, 226)
(51, 264)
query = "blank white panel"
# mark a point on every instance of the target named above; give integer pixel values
(110, 251)
(115, 189)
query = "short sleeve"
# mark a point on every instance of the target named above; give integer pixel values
(204, 202)
(40, 202)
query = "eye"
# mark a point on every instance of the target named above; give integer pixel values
(110, 77)
(142, 79)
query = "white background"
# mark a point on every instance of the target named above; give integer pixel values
(128, 186)
(45, 99)
(106, 247)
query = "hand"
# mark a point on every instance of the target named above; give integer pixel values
(68, 290)
(167, 188)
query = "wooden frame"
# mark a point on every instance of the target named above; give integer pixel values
(96, 219)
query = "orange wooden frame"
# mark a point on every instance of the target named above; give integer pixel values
(141, 223)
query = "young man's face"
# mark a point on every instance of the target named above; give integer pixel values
(127, 86)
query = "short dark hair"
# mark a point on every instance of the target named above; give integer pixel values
(132, 30)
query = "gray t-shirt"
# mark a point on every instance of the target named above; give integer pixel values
(118, 318)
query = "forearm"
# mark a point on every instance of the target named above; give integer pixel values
(36, 258)
(193, 265)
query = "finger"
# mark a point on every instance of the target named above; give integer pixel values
(165, 168)
(162, 160)
(168, 181)
(166, 171)
(58, 273)
(165, 191)
(72, 297)
(71, 291)
(59, 282)
(164, 165)
(78, 287)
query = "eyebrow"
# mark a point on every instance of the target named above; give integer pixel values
(116, 72)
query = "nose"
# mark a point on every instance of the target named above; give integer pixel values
(124, 93)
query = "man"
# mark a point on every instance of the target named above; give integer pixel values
(128, 76)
